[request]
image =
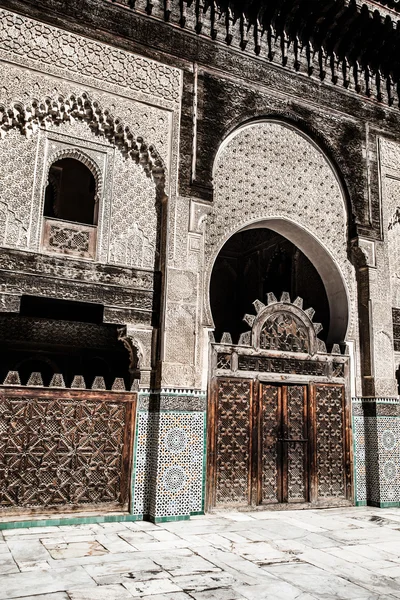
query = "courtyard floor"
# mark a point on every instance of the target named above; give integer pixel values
(350, 553)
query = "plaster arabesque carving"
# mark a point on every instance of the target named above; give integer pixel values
(389, 156)
(33, 100)
(58, 53)
(270, 170)
(145, 168)
(17, 156)
(29, 118)
(133, 243)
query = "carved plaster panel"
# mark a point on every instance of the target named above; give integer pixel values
(17, 159)
(194, 255)
(389, 156)
(392, 197)
(368, 249)
(198, 214)
(269, 170)
(182, 286)
(21, 87)
(171, 373)
(142, 340)
(57, 52)
(180, 326)
(134, 225)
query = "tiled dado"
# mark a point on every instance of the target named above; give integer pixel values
(376, 439)
(169, 462)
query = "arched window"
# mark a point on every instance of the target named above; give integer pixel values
(71, 192)
(71, 207)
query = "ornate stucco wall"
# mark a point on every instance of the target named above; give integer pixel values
(389, 160)
(269, 170)
(179, 173)
(62, 94)
(269, 173)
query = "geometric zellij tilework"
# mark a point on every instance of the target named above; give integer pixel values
(376, 438)
(169, 463)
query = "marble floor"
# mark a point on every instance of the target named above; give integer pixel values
(349, 553)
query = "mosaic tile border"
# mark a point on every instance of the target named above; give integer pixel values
(169, 472)
(166, 399)
(57, 521)
(376, 448)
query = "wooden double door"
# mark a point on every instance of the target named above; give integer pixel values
(274, 444)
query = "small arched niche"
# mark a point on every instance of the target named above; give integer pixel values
(71, 192)
(71, 206)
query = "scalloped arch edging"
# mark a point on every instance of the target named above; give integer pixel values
(77, 154)
(29, 118)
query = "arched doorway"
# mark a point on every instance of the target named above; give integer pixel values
(279, 431)
(253, 263)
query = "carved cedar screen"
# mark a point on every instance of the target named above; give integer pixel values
(297, 449)
(284, 331)
(270, 399)
(69, 238)
(330, 441)
(63, 448)
(233, 448)
(284, 443)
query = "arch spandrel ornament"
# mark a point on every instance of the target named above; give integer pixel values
(290, 197)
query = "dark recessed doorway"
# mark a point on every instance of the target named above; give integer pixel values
(253, 263)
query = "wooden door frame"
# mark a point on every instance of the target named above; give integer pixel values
(255, 382)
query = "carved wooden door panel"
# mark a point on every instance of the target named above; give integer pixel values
(274, 443)
(284, 444)
(269, 459)
(64, 449)
(295, 446)
(233, 441)
(332, 479)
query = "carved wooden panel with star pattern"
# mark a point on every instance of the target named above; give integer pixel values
(233, 444)
(65, 448)
(330, 434)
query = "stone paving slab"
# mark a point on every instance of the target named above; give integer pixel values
(349, 554)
